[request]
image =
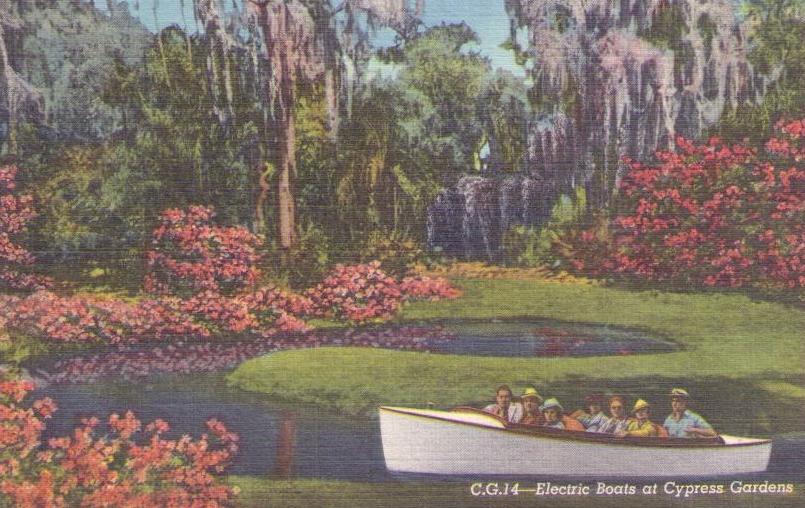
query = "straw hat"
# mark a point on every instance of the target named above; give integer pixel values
(551, 403)
(531, 392)
(680, 392)
(640, 404)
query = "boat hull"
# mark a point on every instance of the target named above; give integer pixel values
(440, 442)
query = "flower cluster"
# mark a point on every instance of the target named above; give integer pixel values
(86, 319)
(421, 287)
(16, 211)
(356, 293)
(710, 215)
(131, 465)
(190, 254)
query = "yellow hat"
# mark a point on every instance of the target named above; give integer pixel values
(640, 404)
(531, 392)
(679, 392)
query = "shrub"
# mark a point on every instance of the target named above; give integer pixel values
(356, 293)
(709, 215)
(427, 288)
(16, 211)
(191, 255)
(396, 254)
(132, 465)
(310, 258)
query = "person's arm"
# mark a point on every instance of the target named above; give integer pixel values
(700, 428)
(701, 432)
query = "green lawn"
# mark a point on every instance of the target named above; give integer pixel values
(260, 492)
(734, 350)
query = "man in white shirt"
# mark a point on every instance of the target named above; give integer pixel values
(511, 412)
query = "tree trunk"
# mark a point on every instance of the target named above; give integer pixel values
(286, 158)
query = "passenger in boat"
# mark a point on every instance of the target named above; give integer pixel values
(640, 425)
(531, 401)
(593, 416)
(618, 421)
(552, 410)
(682, 422)
(504, 407)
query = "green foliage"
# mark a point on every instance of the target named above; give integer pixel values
(66, 48)
(776, 32)
(523, 246)
(530, 247)
(503, 110)
(310, 258)
(449, 80)
(666, 28)
(397, 255)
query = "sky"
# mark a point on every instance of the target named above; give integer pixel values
(486, 17)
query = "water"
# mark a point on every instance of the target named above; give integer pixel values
(288, 440)
(543, 338)
(275, 438)
(528, 338)
(280, 439)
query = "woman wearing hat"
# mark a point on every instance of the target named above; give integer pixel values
(552, 410)
(640, 425)
(682, 422)
(531, 400)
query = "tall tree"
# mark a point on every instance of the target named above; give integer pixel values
(302, 41)
(18, 99)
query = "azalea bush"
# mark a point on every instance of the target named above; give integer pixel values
(421, 287)
(364, 292)
(46, 316)
(190, 254)
(16, 211)
(706, 215)
(356, 293)
(131, 465)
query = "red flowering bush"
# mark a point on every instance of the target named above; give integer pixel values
(131, 466)
(190, 254)
(85, 319)
(277, 310)
(356, 293)
(427, 288)
(15, 213)
(710, 214)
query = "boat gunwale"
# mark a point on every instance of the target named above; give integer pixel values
(582, 436)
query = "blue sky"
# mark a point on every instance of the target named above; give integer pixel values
(487, 17)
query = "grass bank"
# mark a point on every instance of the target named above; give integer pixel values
(731, 348)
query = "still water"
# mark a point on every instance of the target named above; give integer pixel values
(287, 440)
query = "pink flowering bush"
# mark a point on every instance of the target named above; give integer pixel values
(706, 215)
(86, 319)
(16, 211)
(428, 288)
(356, 293)
(131, 466)
(190, 254)
(364, 292)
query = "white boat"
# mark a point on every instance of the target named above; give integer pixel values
(467, 441)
